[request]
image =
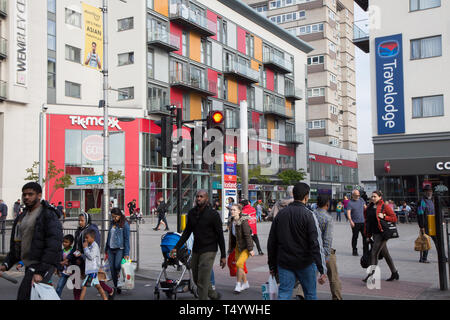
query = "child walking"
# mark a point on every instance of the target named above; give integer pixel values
(339, 209)
(92, 254)
(67, 247)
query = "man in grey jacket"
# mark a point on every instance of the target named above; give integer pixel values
(281, 204)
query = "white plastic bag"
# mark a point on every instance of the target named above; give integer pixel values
(273, 288)
(127, 275)
(42, 291)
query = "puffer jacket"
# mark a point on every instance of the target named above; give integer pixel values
(46, 246)
(279, 205)
(251, 213)
(243, 236)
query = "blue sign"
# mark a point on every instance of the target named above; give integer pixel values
(216, 185)
(230, 168)
(230, 193)
(390, 90)
(82, 181)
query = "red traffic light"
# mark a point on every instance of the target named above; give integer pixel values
(217, 117)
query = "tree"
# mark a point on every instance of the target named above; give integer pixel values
(290, 177)
(254, 173)
(62, 181)
(115, 178)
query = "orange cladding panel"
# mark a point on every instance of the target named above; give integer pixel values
(258, 49)
(162, 7)
(270, 126)
(195, 47)
(232, 91)
(195, 106)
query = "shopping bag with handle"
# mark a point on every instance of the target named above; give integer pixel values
(127, 275)
(273, 288)
(42, 291)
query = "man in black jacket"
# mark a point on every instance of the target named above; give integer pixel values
(162, 209)
(295, 247)
(206, 225)
(36, 239)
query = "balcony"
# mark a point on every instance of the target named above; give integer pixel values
(364, 4)
(241, 72)
(3, 8)
(185, 16)
(293, 93)
(277, 108)
(164, 40)
(361, 38)
(193, 82)
(3, 90)
(158, 106)
(295, 138)
(277, 63)
(3, 48)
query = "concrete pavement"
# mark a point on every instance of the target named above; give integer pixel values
(417, 281)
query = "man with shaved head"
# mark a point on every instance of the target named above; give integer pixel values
(205, 223)
(355, 215)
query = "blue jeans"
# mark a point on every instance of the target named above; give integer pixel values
(115, 257)
(213, 280)
(61, 283)
(307, 278)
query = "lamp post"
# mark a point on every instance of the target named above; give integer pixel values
(41, 144)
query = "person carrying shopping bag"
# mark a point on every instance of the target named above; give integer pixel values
(117, 244)
(240, 240)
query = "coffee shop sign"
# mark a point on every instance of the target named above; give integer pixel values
(94, 121)
(441, 166)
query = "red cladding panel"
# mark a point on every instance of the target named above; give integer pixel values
(242, 92)
(270, 79)
(176, 30)
(241, 40)
(334, 161)
(213, 17)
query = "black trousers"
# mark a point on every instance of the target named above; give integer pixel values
(163, 218)
(256, 240)
(356, 230)
(25, 287)
(3, 224)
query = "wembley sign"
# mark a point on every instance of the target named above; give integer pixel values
(86, 122)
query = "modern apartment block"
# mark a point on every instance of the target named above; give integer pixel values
(198, 55)
(410, 109)
(327, 25)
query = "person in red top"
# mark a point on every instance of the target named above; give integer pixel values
(251, 212)
(375, 212)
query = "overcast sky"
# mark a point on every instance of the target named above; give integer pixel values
(363, 99)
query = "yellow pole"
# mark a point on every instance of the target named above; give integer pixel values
(183, 222)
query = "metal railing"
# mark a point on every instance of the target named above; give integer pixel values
(183, 11)
(193, 80)
(291, 91)
(295, 138)
(274, 106)
(359, 33)
(270, 57)
(158, 105)
(165, 37)
(242, 69)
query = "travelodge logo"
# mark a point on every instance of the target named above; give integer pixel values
(388, 49)
(94, 121)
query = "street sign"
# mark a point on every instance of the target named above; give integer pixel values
(82, 181)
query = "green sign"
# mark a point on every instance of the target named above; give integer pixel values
(216, 185)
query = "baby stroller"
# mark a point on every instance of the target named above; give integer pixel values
(137, 216)
(172, 287)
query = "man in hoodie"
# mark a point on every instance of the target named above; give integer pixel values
(281, 204)
(36, 239)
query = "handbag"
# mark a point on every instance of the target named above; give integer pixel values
(389, 228)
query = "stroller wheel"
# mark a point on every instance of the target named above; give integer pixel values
(168, 295)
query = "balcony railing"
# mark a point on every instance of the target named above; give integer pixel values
(3, 8)
(186, 16)
(295, 138)
(243, 71)
(293, 93)
(3, 48)
(164, 40)
(3, 90)
(361, 36)
(158, 105)
(278, 63)
(193, 81)
(277, 108)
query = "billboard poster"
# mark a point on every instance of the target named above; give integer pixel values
(390, 86)
(229, 182)
(93, 28)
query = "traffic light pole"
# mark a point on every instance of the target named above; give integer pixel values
(179, 121)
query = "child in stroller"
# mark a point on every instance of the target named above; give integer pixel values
(173, 287)
(137, 216)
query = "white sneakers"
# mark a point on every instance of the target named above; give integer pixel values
(241, 287)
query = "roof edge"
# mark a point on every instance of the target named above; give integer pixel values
(247, 11)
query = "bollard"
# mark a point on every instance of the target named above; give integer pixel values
(183, 222)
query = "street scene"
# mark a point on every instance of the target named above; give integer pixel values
(224, 150)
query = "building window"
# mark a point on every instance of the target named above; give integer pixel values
(220, 86)
(316, 92)
(332, 47)
(184, 44)
(416, 5)
(426, 48)
(333, 78)
(73, 18)
(250, 45)
(316, 60)
(51, 73)
(150, 4)
(312, 28)
(126, 93)
(424, 107)
(316, 124)
(73, 54)
(51, 35)
(73, 90)
(158, 98)
(231, 119)
(186, 107)
(150, 63)
(206, 52)
(251, 97)
(126, 58)
(225, 89)
(206, 107)
(275, 82)
(51, 6)
(222, 31)
(125, 24)
(265, 78)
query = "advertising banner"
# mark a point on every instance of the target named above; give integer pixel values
(229, 182)
(93, 27)
(390, 89)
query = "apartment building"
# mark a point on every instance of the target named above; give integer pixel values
(410, 110)
(327, 25)
(197, 55)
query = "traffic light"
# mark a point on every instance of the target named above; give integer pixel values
(165, 137)
(216, 120)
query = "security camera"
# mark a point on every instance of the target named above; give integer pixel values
(44, 107)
